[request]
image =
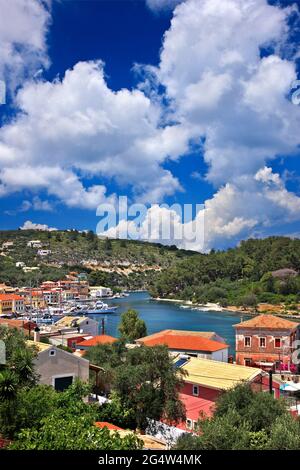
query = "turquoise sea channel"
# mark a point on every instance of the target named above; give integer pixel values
(160, 315)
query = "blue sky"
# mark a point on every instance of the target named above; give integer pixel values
(165, 102)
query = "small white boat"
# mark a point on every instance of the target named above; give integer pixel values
(209, 307)
(100, 308)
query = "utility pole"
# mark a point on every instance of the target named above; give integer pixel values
(271, 381)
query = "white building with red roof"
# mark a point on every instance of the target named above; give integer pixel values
(191, 343)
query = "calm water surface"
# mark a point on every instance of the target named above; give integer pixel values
(167, 315)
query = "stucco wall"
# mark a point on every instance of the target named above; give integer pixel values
(62, 364)
(267, 353)
(204, 392)
(221, 355)
(90, 327)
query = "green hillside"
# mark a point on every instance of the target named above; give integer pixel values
(123, 263)
(239, 276)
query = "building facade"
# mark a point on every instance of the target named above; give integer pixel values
(267, 341)
(205, 381)
(11, 303)
(57, 367)
(85, 325)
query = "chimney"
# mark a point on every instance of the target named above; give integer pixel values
(36, 335)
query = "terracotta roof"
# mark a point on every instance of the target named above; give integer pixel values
(268, 321)
(182, 340)
(100, 339)
(37, 294)
(111, 427)
(10, 297)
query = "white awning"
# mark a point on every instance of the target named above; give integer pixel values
(290, 387)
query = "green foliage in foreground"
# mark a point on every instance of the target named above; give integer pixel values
(75, 433)
(144, 381)
(245, 420)
(48, 420)
(37, 417)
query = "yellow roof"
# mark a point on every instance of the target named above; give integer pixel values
(40, 346)
(217, 374)
(69, 320)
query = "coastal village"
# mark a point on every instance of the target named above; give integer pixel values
(56, 321)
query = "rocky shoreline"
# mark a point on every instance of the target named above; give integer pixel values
(262, 308)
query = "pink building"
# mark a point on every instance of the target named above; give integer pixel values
(266, 341)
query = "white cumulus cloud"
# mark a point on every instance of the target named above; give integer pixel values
(23, 28)
(219, 90)
(28, 225)
(158, 5)
(237, 210)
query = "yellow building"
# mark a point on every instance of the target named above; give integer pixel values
(6, 304)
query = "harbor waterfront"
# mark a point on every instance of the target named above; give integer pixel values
(160, 315)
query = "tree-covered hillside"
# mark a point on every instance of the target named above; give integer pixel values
(123, 263)
(238, 276)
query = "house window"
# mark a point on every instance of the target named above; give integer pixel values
(189, 423)
(247, 362)
(262, 342)
(52, 352)
(195, 390)
(247, 341)
(277, 343)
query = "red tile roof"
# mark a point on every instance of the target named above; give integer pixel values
(269, 322)
(111, 427)
(10, 297)
(182, 340)
(36, 294)
(100, 339)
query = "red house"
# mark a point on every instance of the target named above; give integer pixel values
(205, 381)
(266, 341)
